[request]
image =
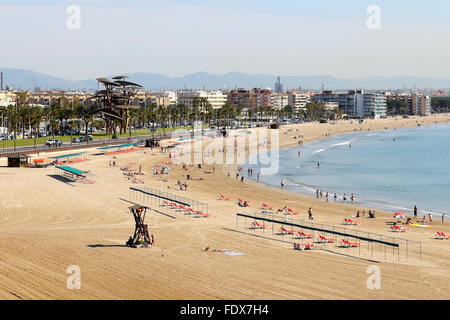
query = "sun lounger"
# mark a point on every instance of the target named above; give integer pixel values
(266, 206)
(350, 222)
(322, 239)
(284, 231)
(399, 229)
(442, 236)
(292, 211)
(301, 235)
(348, 244)
(199, 213)
(221, 197)
(256, 225)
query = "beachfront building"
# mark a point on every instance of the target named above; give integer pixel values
(169, 97)
(241, 98)
(47, 97)
(298, 100)
(7, 98)
(263, 97)
(413, 104)
(279, 100)
(375, 105)
(250, 98)
(356, 103)
(420, 104)
(216, 98)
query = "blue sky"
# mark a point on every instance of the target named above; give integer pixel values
(174, 37)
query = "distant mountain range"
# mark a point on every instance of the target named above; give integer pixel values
(27, 80)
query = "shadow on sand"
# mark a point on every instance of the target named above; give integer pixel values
(105, 245)
(62, 179)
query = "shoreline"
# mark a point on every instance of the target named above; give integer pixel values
(371, 125)
(303, 189)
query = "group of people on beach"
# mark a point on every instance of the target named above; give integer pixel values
(371, 214)
(320, 194)
(430, 217)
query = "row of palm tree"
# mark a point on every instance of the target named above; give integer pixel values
(60, 116)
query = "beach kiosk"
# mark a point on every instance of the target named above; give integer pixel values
(18, 160)
(140, 236)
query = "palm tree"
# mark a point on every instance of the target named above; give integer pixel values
(23, 109)
(13, 121)
(183, 111)
(36, 119)
(72, 124)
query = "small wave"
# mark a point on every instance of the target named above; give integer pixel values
(318, 151)
(341, 143)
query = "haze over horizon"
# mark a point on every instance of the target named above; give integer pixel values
(177, 38)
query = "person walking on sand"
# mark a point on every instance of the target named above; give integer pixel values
(352, 198)
(443, 217)
(335, 197)
(242, 179)
(257, 177)
(344, 198)
(431, 219)
(282, 183)
(415, 212)
(326, 196)
(310, 216)
(317, 193)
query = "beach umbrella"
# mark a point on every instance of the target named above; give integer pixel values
(399, 215)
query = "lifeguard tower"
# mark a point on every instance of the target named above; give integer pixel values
(141, 236)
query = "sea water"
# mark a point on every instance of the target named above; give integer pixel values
(390, 169)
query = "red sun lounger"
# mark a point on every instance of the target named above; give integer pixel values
(256, 225)
(302, 235)
(284, 231)
(348, 244)
(201, 214)
(350, 222)
(326, 240)
(399, 229)
(441, 236)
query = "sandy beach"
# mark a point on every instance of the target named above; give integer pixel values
(47, 225)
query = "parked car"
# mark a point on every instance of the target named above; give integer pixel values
(76, 140)
(53, 143)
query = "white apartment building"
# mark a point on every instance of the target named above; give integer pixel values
(279, 100)
(171, 95)
(298, 100)
(216, 98)
(420, 104)
(7, 98)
